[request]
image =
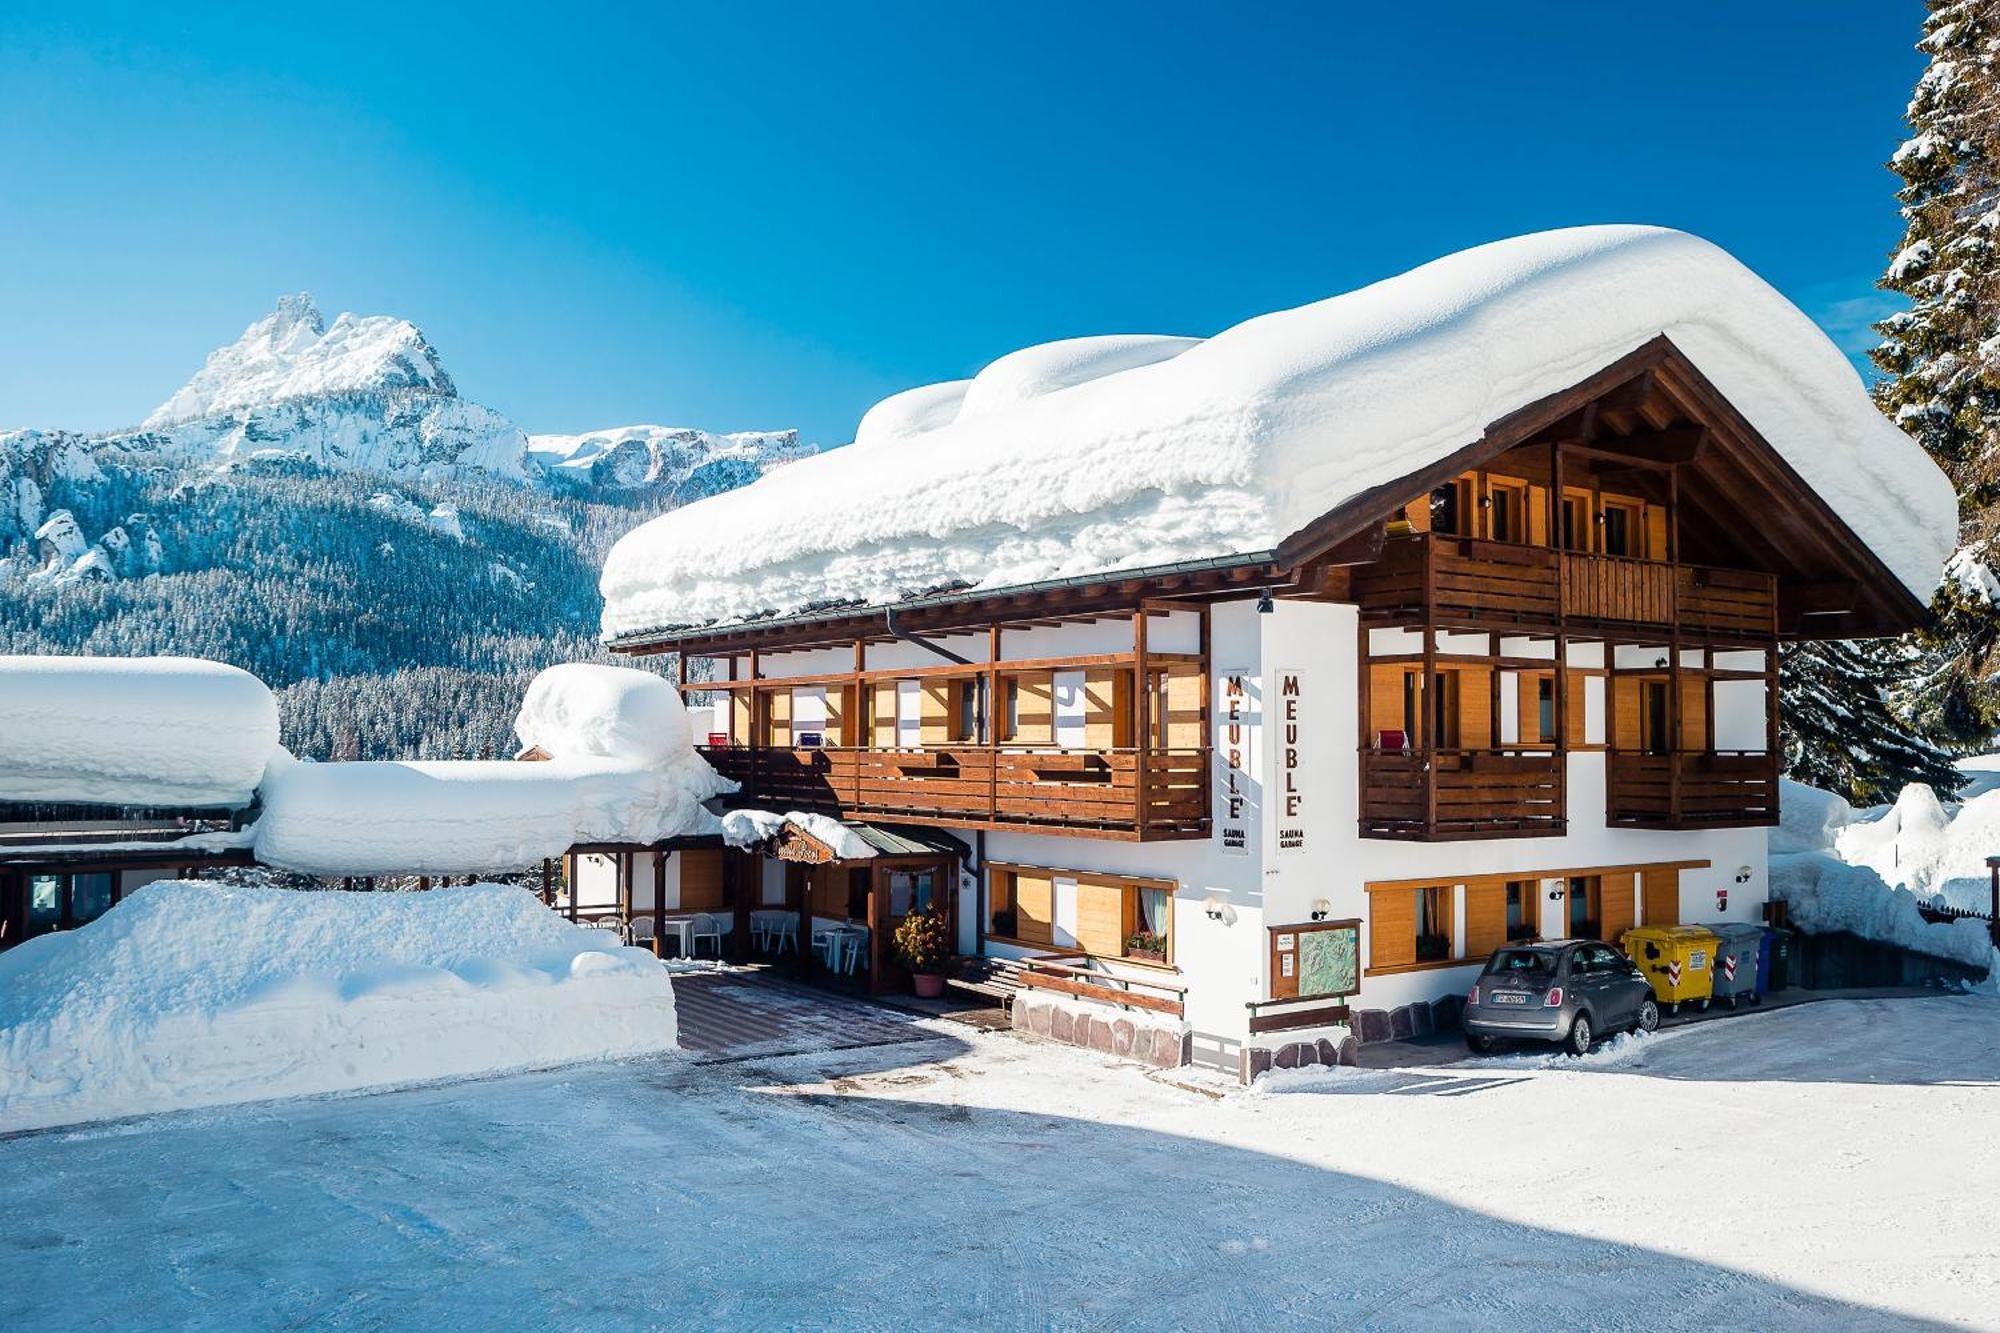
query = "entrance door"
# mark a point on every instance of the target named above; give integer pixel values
(898, 891)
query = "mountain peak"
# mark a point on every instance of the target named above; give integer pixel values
(293, 353)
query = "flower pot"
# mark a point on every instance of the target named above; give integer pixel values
(929, 985)
(1146, 955)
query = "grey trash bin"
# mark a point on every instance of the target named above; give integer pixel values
(1736, 960)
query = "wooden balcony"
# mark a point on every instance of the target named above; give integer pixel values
(1692, 789)
(1107, 793)
(1452, 795)
(1466, 581)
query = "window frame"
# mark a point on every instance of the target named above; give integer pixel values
(1131, 888)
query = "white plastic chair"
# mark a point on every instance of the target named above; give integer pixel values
(706, 927)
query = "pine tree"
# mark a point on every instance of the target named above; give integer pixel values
(1840, 733)
(1942, 355)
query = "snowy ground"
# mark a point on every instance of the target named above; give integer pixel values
(1827, 1166)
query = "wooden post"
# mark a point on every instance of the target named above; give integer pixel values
(756, 738)
(548, 883)
(1430, 696)
(878, 920)
(805, 917)
(1365, 679)
(1141, 714)
(1559, 690)
(1205, 716)
(569, 875)
(740, 903)
(993, 720)
(660, 854)
(625, 869)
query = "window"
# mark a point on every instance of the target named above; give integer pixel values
(90, 897)
(1433, 924)
(1000, 919)
(965, 710)
(1503, 515)
(1576, 522)
(1010, 689)
(45, 895)
(1446, 510)
(1523, 916)
(1106, 916)
(1621, 529)
(1653, 716)
(1585, 899)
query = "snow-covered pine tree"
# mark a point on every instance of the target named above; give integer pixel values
(1840, 733)
(1941, 357)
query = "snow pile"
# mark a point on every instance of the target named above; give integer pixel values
(291, 353)
(1078, 459)
(584, 710)
(142, 731)
(192, 994)
(623, 769)
(1865, 872)
(1823, 894)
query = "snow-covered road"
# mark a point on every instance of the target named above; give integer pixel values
(1830, 1166)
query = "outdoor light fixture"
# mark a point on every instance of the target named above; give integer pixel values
(1743, 874)
(1216, 907)
(1265, 606)
(1660, 662)
(1322, 909)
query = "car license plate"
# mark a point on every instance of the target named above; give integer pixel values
(1509, 997)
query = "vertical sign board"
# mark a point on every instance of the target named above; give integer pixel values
(1292, 808)
(1235, 745)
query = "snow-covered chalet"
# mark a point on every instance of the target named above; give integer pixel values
(1225, 690)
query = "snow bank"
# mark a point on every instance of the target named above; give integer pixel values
(1824, 893)
(1939, 851)
(153, 731)
(751, 829)
(1808, 819)
(472, 817)
(200, 994)
(584, 710)
(1229, 445)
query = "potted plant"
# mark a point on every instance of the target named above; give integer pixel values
(1146, 946)
(923, 942)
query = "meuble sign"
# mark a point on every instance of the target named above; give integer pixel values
(1291, 797)
(1236, 733)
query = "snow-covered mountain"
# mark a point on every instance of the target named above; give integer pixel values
(319, 505)
(370, 392)
(685, 462)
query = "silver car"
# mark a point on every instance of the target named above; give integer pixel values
(1567, 991)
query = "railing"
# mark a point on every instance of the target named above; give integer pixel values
(1084, 982)
(1003, 785)
(1459, 793)
(1470, 580)
(1692, 788)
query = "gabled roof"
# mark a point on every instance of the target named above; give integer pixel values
(1080, 460)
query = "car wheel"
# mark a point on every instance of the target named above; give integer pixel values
(1479, 1043)
(1579, 1036)
(1649, 1017)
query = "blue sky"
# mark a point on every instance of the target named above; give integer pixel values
(749, 216)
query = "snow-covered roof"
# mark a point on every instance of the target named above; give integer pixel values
(137, 731)
(1096, 455)
(622, 769)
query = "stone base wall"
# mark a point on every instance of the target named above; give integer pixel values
(1411, 1020)
(1279, 1052)
(1159, 1042)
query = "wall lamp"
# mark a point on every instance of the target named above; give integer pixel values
(1265, 606)
(1322, 909)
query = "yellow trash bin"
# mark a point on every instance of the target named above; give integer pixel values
(1679, 961)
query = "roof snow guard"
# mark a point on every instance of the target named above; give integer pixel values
(1088, 458)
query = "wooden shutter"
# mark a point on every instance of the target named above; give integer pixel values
(779, 717)
(1485, 916)
(883, 714)
(701, 880)
(1656, 532)
(1385, 701)
(1663, 897)
(1034, 908)
(1475, 707)
(1392, 927)
(740, 717)
(1035, 711)
(1183, 723)
(1100, 918)
(836, 714)
(934, 712)
(1538, 515)
(1418, 512)
(1615, 910)
(1625, 732)
(1694, 713)
(1107, 709)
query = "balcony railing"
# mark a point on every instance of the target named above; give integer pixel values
(1451, 794)
(1119, 793)
(1471, 581)
(1692, 789)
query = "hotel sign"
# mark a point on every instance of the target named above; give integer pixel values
(1236, 727)
(1292, 811)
